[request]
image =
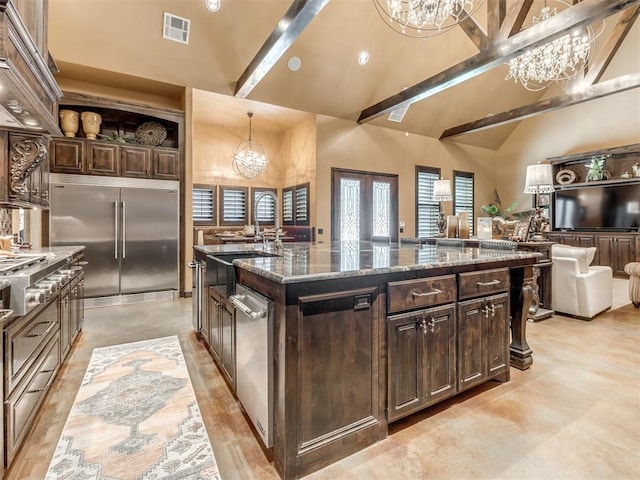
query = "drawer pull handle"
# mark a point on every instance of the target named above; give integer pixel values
(426, 294)
(488, 284)
(42, 334)
(46, 387)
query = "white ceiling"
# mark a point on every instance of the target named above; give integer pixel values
(119, 43)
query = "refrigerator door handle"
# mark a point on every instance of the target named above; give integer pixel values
(124, 232)
(115, 242)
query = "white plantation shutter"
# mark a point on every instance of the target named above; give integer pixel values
(427, 209)
(302, 204)
(295, 205)
(233, 206)
(463, 196)
(203, 202)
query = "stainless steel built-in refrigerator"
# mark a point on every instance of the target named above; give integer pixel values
(130, 229)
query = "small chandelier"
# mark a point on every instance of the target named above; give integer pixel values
(249, 158)
(558, 60)
(424, 18)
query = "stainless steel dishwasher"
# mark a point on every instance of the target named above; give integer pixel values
(254, 359)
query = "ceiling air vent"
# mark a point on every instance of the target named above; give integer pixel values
(398, 114)
(176, 28)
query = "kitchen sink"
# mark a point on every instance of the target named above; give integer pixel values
(220, 272)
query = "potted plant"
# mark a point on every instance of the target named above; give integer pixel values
(596, 169)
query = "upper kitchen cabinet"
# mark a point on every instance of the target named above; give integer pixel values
(28, 91)
(132, 141)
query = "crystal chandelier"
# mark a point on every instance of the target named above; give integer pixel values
(424, 18)
(249, 158)
(558, 60)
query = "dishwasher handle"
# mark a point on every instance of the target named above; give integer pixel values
(237, 301)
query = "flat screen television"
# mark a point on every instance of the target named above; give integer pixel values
(609, 207)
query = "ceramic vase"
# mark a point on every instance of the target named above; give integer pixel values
(69, 120)
(91, 124)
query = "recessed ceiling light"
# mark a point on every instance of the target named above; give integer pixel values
(294, 64)
(363, 58)
(213, 5)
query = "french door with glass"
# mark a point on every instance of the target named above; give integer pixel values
(364, 205)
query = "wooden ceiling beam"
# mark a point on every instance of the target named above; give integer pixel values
(596, 69)
(496, 12)
(474, 32)
(589, 92)
(585, 13)
(290, 26)
(515, 17)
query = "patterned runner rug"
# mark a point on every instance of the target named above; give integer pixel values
(135, 417)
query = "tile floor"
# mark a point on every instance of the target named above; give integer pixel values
(574, 415)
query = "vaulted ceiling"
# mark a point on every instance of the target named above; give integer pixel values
(455, 82)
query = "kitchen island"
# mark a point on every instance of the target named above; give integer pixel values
(364, 334)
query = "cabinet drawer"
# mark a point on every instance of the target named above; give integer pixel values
(22, 405)
(486, 282)
(24, 339)
(423, 292)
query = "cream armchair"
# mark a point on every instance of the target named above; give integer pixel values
(579, 290)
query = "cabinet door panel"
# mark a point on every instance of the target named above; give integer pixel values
(166, 164)
(623, 254)
(135, 161)
(103, 159)
(440, 358)
(67, 156)
(498, 334)
(404, 364)
(215, 330)
(337, 334)
(228, 358)
(472, 344)
(604, 250)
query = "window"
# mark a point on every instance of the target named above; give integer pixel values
(295, 205)
(427, 209)
(463, 195)
(365, 204)
(233, 205)
(204, 204)
(265, 210)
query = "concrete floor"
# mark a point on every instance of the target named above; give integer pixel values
(574, 415)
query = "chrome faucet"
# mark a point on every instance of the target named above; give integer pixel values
(277, 242)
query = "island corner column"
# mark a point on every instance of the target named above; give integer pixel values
(521, 298)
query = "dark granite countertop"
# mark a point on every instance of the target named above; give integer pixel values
(304, 262)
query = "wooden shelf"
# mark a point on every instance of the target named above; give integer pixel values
(613, 181)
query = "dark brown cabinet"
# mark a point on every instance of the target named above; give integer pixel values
(71, 300)
(612, 249)
(66, 321)
(221, 334)
(135, 161)
(483, 340)
(67, 155)
(421, 359)
(103, 158)
(166, 164)
(616, 251)
(91, 157)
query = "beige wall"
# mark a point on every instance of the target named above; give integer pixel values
(607, 122)
(299, 143)
(346, 144)
(70, 85)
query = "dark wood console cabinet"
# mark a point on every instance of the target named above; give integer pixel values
(612, 249)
